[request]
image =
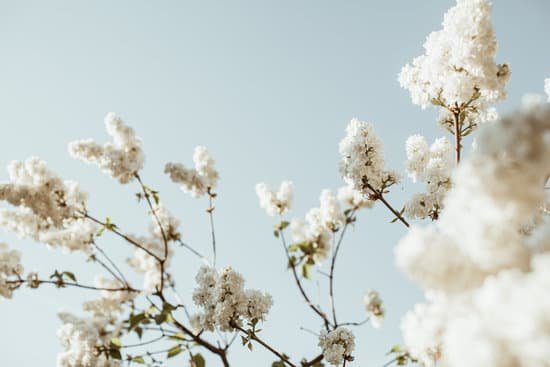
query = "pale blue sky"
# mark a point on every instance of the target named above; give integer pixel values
(268, 87)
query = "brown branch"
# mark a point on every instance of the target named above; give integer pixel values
(257, 339)
(378, 195)
(18, 283)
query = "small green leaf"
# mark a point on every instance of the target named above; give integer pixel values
(174, 351)
(115, 353)
(70, 275)
(116, 342)
(197, 360)
(138, 359)
(278, 364)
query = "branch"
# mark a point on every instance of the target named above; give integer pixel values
(254, 337)
(378, 195)
(299, 284)
(18, 283)
(210, 211)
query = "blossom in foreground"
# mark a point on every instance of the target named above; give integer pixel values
(547, 87)
(362, 159)
(373, 305)
(197, 181)
(224, 302)
(46, 208)
(486, 278)
(121, 159)
(80, 338)
(337, 345)
(275, 203)
(110, 303)
(458, 67)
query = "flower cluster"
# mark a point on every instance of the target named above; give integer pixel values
(275, 203)
(373, 305)
(48, 209)
(362, 159)
(121, 159)
(352, 198)
(10, 266)
(337, 345)
(166, 223)
(197, 181)
(110, 303)
(486, 278)
(458, 68)
(82, 339)
(144, 263)
(224, 302)
(433, 166)
(312, 236)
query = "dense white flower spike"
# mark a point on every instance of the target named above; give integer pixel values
(80, 338)
(432, 166)
(373, 305)
(111, 302)
(547, 87)
(487, 279)
(458, 67)
(168, 224)
(275, 203)
(121, 159)
(312, 236)
(196, 181)
(146, 264)
(337, 345)
(352, 198)
(362, 159)
(48, 209)
(224, 302)
(10, 269)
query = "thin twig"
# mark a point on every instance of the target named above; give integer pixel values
(380, 196)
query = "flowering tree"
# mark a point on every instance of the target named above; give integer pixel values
(478, 239)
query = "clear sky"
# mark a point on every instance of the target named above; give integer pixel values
(268, 87)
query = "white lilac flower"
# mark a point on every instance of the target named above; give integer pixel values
(121, 159)
(145, 264)
(224, 302)
(80, 339)
(337, 345)
(373, 306)
(198, 180)
(110, 303)
(547, 87)
(10, 268)
(486, 279)
(433, 166)
(168, 223)
(459, 61)
(362, 159)
(275, 203)
(352, 198)
(47, 209)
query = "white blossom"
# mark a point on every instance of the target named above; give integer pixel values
(458, 64)
(80, 338)
(167, 221)
(433, 166)
(337, 345)
(110, 303)
(362, 160)
(47, 209)
(121, 159)
(373, 305)
(196, 181)
(224, 302)
(275, 203)
(547, 87)
(352, 198)
(10, 269)
(144, 263)
(486, 279)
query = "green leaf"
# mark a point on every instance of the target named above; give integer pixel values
(197, 360)
(395, 349)
(138, 359)
(178, 336)
(174, 351)
(116, 342)
(306, 270)
(70, 275)
(115, 353)
(278, 364)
